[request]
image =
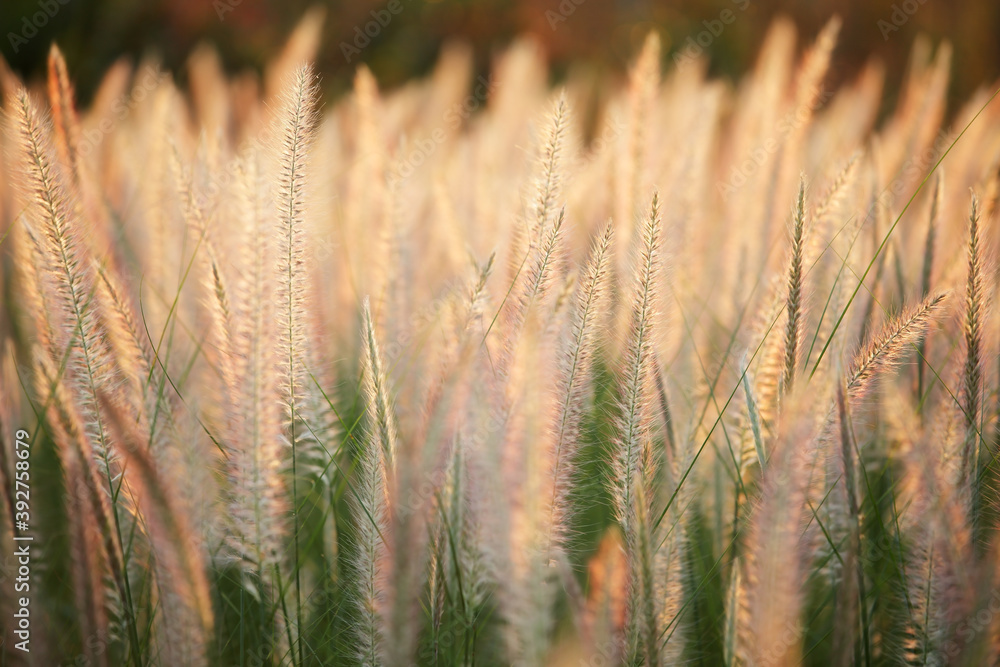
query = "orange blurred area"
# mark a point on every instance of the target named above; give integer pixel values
(397, 45)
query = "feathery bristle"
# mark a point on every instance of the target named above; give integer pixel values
(884, 349)
(793, 302)
(64, 117)
(636, 416)
(548, 187)
(972, 371)
(181, 572)
(375, 489)
(575, 374)
(633, 460)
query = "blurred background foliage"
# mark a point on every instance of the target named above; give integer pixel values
(598, 35)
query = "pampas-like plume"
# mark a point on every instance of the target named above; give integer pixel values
(575, 379)
(838, 190)
(793, 302)
(636, 420)
(253, 434)
(548, 187)
(296, 121)
(854, 580)
(536, 241)
(64, 118)
(535, 286)
(77, 454)
(926, 271)
(376, 392)
(884, 349)
(776, 548)
(87, 567)
(972, 372)
(180, 565)
(296, 130)
(64, 272)
(131, 350)
(374, 492)
(28, 260)
(633, 459)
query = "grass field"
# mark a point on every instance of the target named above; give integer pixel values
(654, 371)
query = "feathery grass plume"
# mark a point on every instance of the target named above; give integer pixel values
(27, 249)
(884, 349)
(296, 120)
(806, 99)
(68, 139)
(768, 365)
(548, 189)
(533, 288)
(131, 351)
(365, 199)
(536, 240)
(467, 308)
(941, 570)
(300, 49)
(632, 455)
(64, 118)
(574, 383)
(222, 315)
(777, 549)
(854, 578)
(406, 541)
(514, 448)
(64, 272)
(815, 65)
(927, 270)
(524, 560)
(735, 616)
(972, 371)
(182, 582)
(643, 85)
(793, 303)
(88, 569)
(374, 516)
(76, 452)
(666, 415)
(644, 80)
(838, 190)
(635, 421)
(253, 434)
